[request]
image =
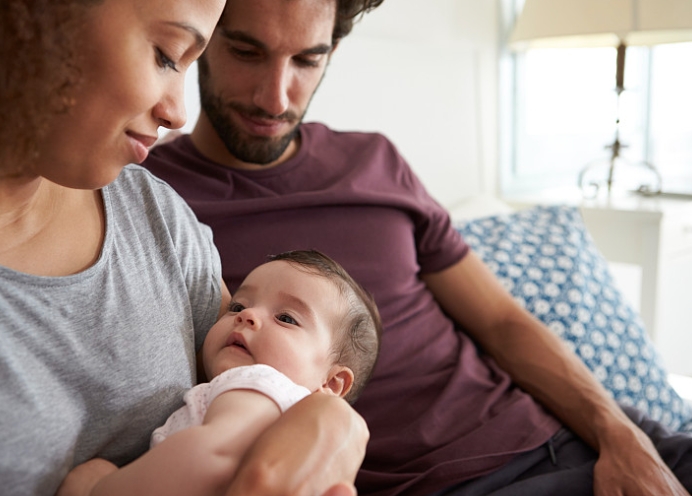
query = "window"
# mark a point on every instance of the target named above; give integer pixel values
(670, 119)
(563, 107)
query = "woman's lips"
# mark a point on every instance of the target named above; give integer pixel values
(140, 144)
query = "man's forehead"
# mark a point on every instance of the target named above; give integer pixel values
(308, 16)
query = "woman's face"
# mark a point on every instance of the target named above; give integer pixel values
(135, 54)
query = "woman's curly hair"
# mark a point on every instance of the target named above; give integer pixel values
(347, 13)
(39, 68)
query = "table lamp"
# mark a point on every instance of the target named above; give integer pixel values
(602, 23)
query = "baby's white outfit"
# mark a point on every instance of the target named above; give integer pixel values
(262, 378)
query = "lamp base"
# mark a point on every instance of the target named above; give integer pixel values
(618, 173)
(641, 177)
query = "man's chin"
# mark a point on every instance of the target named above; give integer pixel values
(257, 157)
(260, 151)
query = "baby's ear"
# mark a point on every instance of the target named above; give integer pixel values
(339, 381)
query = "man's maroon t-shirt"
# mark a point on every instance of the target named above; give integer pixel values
(438, 412)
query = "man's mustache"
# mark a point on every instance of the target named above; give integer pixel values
(256, 112)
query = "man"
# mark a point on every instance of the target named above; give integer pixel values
(442, 416)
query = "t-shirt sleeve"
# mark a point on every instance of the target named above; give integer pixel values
(202, 268)
(438, 244)
(195, 253)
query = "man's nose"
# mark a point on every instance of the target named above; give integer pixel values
(271, 95)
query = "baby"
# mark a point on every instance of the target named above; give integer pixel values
(297, 324)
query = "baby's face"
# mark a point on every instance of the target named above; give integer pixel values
(280, 316)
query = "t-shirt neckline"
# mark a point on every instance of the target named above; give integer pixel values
(279, 169)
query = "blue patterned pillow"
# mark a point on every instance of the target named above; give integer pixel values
(545, 257)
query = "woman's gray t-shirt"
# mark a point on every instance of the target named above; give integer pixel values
(92, 363)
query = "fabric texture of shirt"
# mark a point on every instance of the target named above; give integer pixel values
(438, 411)
(261, 378)
(93, 362)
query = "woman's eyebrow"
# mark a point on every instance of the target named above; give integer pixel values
(200, 41)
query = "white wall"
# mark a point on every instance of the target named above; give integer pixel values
(424, 73)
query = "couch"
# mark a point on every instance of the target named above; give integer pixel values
(547, 260)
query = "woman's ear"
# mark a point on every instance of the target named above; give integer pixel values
(339, 381)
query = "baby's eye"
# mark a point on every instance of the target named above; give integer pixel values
(287, 319)
(235, 307)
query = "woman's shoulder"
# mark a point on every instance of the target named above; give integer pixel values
(140, 200)
(135, 178)
(136, 188)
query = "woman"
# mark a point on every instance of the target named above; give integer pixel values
(107, 282)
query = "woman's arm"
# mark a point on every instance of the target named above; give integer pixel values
(316, 447)
(82, 479)
(225, 300)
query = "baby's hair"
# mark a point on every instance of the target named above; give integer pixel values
(357, 341)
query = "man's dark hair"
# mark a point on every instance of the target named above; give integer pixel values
(347, 11)
(357, 341)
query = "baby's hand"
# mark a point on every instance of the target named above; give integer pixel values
(82, 479)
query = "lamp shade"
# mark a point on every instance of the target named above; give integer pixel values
(591, 23)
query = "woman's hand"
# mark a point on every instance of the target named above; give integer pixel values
(82, 479)
(316, 447)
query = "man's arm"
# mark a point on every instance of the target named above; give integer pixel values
(542, 365)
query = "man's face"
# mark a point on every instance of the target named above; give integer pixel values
(261, 68)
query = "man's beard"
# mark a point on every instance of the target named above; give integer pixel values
(249, 149)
